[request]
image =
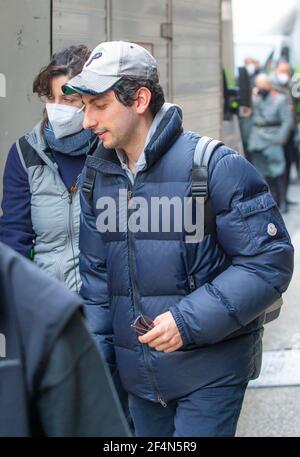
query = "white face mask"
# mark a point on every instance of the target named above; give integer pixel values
(65, 120)
(283, 78)
(251, 69)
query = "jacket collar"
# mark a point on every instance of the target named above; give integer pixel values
(166, 128)
(165, 134)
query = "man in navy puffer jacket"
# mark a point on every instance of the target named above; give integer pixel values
(187, 375)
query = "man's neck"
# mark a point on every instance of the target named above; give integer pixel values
(134, 149)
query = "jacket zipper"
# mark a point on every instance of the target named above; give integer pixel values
(190, 278)
(192, 284)
(71, 234)
(60, 269)
(136, 305)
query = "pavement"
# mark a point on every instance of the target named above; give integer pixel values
(272, 403)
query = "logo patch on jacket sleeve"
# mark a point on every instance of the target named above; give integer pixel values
(272, 230)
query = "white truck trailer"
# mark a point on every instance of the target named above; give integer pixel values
(189, 38)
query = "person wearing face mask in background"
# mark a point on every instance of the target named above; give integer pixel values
(283, 83)
(41, 208)
(272, 123)
(253, 68)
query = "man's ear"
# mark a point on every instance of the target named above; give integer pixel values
(142, 100)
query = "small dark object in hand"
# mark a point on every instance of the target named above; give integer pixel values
(142, 324)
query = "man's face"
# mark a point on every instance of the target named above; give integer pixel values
(114, 123)
(263, 84)
(284, 68)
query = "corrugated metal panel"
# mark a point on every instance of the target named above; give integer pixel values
(24, 49)
(197, 83)
(189, 65)
(139, 21)
(79, 22)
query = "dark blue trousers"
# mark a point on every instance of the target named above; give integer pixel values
(209, 411)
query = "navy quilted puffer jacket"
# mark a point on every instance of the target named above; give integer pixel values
(238, 271)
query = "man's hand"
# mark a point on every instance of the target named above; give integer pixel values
(164, 336)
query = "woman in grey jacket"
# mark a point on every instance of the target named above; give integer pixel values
(40, 198)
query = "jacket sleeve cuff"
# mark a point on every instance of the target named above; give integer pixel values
(184, 333)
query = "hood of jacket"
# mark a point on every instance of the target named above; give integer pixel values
(36, 139)
(165, 129)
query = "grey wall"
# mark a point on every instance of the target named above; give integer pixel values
(79, 22)
(190, 63)
(24, 48)
(197, 64)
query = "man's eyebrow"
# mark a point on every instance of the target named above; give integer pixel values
(96, 99)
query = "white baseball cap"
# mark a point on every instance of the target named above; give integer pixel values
(108, 63)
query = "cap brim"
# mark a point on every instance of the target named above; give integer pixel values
(89, 83)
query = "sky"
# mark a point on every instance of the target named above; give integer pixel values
(259, 24)
(259, 16)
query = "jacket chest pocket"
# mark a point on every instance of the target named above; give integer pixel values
(262, 221)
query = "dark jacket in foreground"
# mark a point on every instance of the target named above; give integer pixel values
(238, 272)
(53, 381)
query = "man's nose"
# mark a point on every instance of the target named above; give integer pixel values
(88, 121)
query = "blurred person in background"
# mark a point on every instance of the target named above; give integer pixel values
(272, 124)
(41, 208)
(253, 68)
(246, 83)
(282, 80)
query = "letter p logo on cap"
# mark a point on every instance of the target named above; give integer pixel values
(94, 57)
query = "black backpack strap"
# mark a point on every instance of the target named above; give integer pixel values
(89, 179)
(88, 183)
(204, 150)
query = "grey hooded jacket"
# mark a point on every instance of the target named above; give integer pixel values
(55, 212)
(272, 124)
(273, 121)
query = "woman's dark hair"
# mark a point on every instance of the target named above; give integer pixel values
(126, 88)
(68, 62)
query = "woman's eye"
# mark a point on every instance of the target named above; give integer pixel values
(100, 107)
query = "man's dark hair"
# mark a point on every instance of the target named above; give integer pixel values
(126, 88)
(68, 62)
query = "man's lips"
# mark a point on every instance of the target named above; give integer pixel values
(101, 134)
